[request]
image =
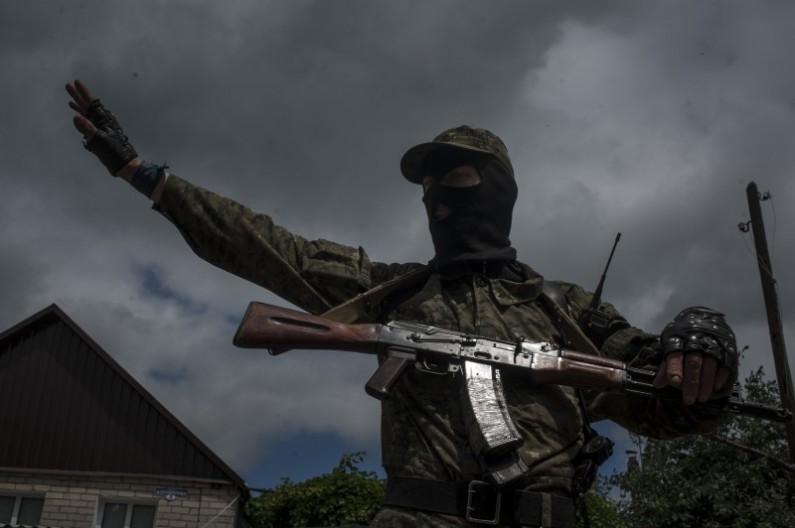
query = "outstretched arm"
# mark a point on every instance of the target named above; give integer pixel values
(103, 136)
(690, 355)
(312, 274)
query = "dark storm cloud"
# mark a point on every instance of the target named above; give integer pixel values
(647, 118)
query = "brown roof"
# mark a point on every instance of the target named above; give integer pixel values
(68, 406)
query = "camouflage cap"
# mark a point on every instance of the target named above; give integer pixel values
(464, 137)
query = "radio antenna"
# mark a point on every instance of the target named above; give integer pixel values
(597, 295)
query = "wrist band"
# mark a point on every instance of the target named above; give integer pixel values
(147, 176)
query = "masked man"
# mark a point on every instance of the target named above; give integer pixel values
(437, 476)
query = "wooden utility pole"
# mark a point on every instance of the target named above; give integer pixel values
(783, 375)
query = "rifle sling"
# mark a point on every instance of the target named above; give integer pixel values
(367, 303)
(556, 302)
(585, 474)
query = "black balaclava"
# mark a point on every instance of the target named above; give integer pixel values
(478, 227)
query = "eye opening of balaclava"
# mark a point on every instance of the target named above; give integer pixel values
(479, 224)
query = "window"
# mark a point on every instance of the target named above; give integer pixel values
(124, 515)
(20, 509)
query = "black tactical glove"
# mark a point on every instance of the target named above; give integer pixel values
(700, 329)
(109, 144)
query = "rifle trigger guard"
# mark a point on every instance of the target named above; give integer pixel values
(434, 369)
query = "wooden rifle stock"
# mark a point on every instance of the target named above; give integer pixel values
(280, 329)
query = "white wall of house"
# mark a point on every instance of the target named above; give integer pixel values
(74, 501)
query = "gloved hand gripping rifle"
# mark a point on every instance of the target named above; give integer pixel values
(437, 351)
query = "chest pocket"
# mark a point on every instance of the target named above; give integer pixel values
(507, 293)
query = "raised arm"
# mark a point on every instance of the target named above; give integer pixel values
(104, 137)
(312, 274)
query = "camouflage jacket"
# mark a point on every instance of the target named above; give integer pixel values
(423, 432)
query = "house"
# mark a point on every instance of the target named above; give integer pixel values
(82, 444)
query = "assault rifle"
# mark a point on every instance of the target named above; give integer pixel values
(479, 360)
(436, 351)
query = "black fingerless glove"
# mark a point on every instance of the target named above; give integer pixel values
(109, 144)
(700, 329)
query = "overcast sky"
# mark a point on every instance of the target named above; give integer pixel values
(648, 118)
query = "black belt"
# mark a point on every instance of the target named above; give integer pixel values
(480, 502)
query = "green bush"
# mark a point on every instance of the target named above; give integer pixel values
(347, 496)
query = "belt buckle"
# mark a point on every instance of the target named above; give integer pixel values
(478, 515)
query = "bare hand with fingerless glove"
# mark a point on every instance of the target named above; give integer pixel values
(700, 354)
(104, 137)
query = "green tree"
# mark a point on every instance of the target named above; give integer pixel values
(602, 510)
(347, 496)
(737, 477)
